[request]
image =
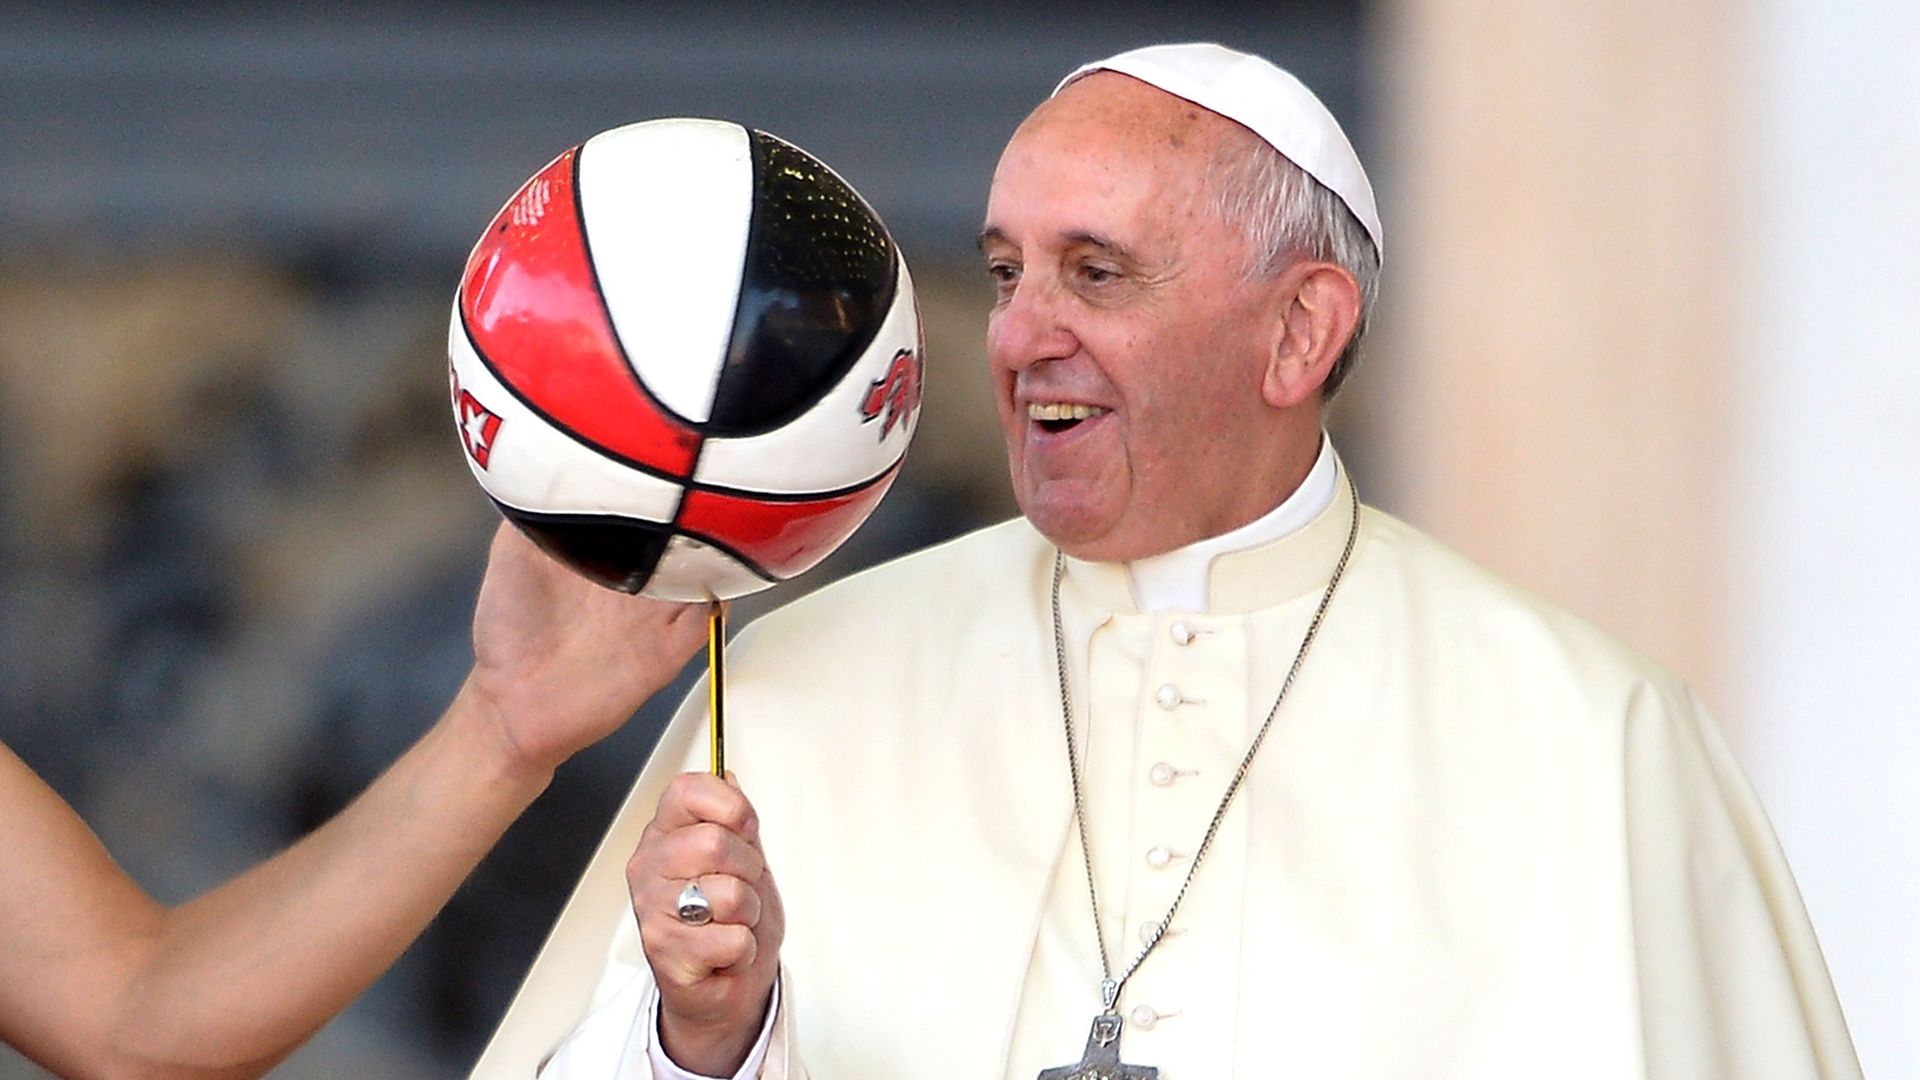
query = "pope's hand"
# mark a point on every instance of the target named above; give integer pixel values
(715, 980)
(562, 662)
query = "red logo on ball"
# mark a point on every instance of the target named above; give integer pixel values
(898, 393)
(477, 425)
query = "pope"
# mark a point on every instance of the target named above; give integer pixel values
(1201, 768)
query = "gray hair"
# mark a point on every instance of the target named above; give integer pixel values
(1287, 215)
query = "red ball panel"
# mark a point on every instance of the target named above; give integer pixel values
(782, 537)
(533, 308)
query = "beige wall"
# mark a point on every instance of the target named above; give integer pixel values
(1546, 390)
(1648, 346)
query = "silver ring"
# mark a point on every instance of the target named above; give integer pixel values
(694, 907)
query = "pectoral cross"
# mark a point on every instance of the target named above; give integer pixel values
(1102, 1059)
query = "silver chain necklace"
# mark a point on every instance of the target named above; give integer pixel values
(1102, 1058)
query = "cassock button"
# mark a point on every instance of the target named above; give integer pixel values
(1148, 929)
(1159, 856)
(1143, 1017)
(1167, 697)
(1162, 774)
(1182, 632)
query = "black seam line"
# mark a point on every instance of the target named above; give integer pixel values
(796, 496)
(733, 317)
(754, 155)
(552, 421)
(544, 518)
(755, 166)
(619, 343)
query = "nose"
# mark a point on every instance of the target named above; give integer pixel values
(1030, 327)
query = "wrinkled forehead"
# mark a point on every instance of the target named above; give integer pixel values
(1107, 146)
(1116, 162)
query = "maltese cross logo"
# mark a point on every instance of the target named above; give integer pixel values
(478, 427)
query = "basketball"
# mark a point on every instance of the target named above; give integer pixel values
(686, 359)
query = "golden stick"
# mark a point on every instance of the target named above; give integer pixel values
(717, 689)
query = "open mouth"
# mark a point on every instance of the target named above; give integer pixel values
(1056, 417)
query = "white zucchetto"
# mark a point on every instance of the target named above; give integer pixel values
(1257, 95)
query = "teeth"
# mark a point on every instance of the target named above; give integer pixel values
(1056, 411)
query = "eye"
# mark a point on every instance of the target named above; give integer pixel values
(1095, 274)
(1004, 275)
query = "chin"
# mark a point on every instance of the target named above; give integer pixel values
(1079, 534)
(1094, 538)
(1072, 515)
(1067, 527)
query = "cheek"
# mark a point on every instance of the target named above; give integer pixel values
(1192, 394)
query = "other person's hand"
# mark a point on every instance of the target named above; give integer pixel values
(562, 662)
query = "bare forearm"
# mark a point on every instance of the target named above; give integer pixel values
(96, 978)
(253, 968)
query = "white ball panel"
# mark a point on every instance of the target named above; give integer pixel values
(666, 205)
(688, 569)
(532, 466)
(827, 447)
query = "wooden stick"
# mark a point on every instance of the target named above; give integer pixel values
(717, 689)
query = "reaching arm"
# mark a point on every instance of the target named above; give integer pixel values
(96, 978)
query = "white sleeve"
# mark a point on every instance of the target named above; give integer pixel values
(619, 1040)
(662, 1067)
(1731, 978)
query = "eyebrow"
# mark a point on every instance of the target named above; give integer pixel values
(1105, 243)
(994, 233)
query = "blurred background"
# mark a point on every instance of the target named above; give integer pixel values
(1647, 345)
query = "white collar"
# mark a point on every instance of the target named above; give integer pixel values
(1177, 580)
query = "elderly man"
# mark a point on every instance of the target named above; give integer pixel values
(1202, 766)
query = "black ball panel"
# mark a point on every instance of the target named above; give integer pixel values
(817, 283)
(617, 552)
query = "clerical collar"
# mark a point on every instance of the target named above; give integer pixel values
(1177, 580)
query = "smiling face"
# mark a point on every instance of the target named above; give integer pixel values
(1128, 347)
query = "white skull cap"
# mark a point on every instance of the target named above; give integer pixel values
(1260, 97)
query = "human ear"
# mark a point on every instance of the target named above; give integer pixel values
(1321, 309)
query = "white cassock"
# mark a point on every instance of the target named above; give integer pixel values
(1482, 841)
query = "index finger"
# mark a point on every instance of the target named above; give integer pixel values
(694, 797)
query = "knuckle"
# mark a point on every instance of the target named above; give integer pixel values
(711, 842)
(656, 939)
(733, 946)
(681, 788)
(686, 853)
(643, 858)
(751, 913)
(753, 867)
(737, 900)
(735, 809)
